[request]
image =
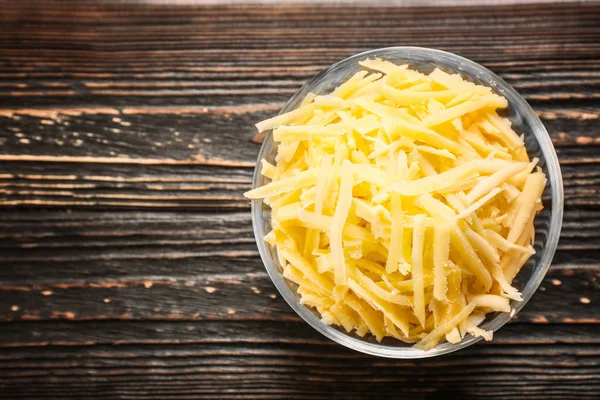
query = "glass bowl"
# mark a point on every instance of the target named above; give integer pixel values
(547, 223)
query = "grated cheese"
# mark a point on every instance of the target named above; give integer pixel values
(337, 225)
(402, 204)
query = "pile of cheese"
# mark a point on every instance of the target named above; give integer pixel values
(402, 204)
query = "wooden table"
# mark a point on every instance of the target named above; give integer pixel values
(128, 268)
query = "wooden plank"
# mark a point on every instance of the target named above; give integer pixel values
(549, 55)
(583, 93)
(62, 338)
(298, 371)
(170, 231)
(184, 187)
(72, 245)
(136, 248)
(567, 295)
(219, 136)
(203, 159)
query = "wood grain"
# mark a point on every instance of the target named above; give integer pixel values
(128, 267)
(250, 296)
(262, 371)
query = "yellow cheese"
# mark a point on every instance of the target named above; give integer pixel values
(408, 97)
(337, 225)
(397, 231)
(323, 180)
(441, 254)
(479, 203)
(367, 124)
(429, 341)
(417, 268)
(502, 244)
(289, 118)
(402, 204)
(300, 180)
(382, 66)
(456, 83)
(437, 182)
(383, 294)
(532, 192)
(368, 316)
(398, 128)
(463, 247)
(388, 310)
(306, 132)
(491, 301)
(492, 101)
(346, 88)
(494, 181)
(268, 169)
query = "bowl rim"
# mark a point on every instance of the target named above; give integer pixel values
(557, 199)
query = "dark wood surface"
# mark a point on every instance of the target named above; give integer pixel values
(128, 268)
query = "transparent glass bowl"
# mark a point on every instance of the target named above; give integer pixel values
(547, 223)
